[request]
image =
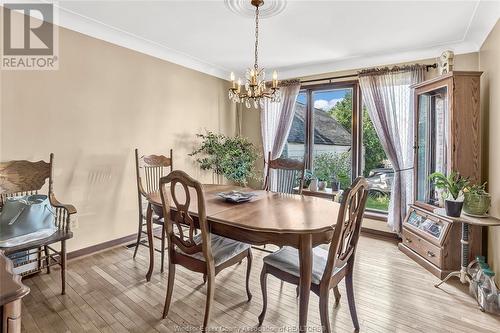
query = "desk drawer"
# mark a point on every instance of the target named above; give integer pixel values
(427, 250)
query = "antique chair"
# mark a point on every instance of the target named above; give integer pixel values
(19, 178)
(329, 266)
(205, 252)
(283, 175)
(149, 169)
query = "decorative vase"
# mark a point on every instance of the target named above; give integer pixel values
(476, 204)
(321, 185)
(217, 179)
(335, 185)
(314, 185)
(453, 208)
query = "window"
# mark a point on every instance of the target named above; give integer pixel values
(337, 142)
(376, 168)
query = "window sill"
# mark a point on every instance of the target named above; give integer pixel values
(375, 216)
(329, 194)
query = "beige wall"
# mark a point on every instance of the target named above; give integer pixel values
(489, 63)
(103, 102)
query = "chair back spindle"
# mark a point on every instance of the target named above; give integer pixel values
(283, 175)
(348, 226)
(149, 169)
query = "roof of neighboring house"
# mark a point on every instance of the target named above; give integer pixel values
(327, 130)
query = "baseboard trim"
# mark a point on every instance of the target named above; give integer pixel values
(101, 246)
(381, 233)
(86, 251)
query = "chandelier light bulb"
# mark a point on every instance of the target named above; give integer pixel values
(232, 80)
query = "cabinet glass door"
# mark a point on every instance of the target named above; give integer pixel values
(432, 145)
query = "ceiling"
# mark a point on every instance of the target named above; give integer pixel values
(306, 38)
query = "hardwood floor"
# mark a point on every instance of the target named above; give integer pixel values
(108, 292)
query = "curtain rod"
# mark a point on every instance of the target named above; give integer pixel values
(427, 67)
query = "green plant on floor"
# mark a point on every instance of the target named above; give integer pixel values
(453, 184)
(232, 157)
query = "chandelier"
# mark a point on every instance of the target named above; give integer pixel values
(256, 90)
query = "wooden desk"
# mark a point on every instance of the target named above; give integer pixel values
(11, 293)
(269, 218)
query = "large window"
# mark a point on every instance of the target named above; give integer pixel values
(338, 141)
(375, 167)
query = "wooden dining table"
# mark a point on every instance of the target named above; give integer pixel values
(302, 222)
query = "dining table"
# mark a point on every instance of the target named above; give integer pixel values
(299, 221)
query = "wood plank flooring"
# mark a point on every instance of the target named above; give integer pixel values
(107, 292)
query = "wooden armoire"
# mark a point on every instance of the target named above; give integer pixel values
(447, 137)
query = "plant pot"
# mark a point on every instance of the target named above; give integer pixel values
(476, 204)
(314, 185)
(335, 185)
(321, 185)
(453, 208)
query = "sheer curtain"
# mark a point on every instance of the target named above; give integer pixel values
(276, 120)
(389, 100)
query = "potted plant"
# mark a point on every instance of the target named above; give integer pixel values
(308, 176)
(453, 186)
(476, 200)
(335, 183)
(321, 184)
(231, 157)
(313, 186)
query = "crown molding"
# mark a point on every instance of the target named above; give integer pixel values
(373, 60)
(100, 30)
(483, 19)
(482, 22)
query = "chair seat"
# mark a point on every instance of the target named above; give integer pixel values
(223, 249)
(58, 236)
(156, 218)
(287, 259)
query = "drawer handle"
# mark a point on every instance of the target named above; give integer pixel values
(408, 240)
(430, 254)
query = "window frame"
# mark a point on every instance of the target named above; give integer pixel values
(356, 130)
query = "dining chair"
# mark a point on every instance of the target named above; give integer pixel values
(330, 266)
(21, 178)
(149, 169)
(284, 174)
(204, 252)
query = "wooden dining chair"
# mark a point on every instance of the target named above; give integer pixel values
(204, 252)
(330, 266)
(283, 175)
(149, 169)
(20, 178)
